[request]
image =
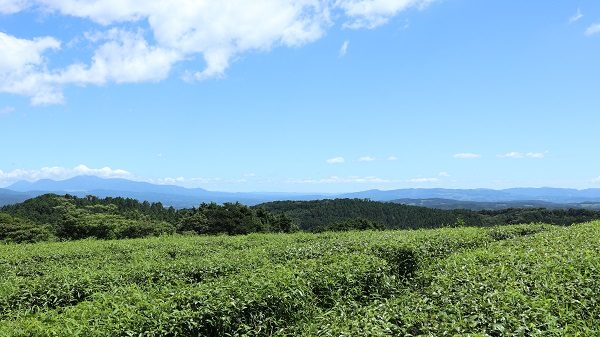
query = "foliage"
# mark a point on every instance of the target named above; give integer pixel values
(349, 224)
(497, 281)
(542, 285)
(324, 213)
(72, 218)
(311, 214)
(54, 217)
(17, 230)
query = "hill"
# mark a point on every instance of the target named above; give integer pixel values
(8, 197)
(312, 214)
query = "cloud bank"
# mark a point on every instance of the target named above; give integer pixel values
(61, 173)
(141, 41)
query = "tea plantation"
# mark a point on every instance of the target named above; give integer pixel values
(519, 280)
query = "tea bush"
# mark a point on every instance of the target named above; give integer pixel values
(520, 280)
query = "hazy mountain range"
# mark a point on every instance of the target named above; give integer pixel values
(170, 195)
(449, 204)
(187, 197)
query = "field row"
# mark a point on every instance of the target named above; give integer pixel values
(542, 285)
(357, 283)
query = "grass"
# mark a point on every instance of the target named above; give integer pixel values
(523, 280)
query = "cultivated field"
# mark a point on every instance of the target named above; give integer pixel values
(523, 280)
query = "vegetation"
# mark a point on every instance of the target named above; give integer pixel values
(522, 280)
(543, 285)
(18, 230)
(322, 213)
(58, 218)
(53, 217)
(348, 225)
(319, 213)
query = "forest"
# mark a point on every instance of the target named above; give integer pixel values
(317, 214)
(65, 217)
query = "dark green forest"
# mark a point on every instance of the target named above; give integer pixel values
(58, 218)
(317, 214)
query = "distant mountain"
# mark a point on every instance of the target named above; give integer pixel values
(91, 183)
(170, 195)
(552, 195)
(178, 196)
(8, 197)
(432, 193)
(448, 204)
(556, 194)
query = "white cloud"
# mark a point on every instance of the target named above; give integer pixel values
(12, 6)
(23, 68)
(366, 159)
(105, 172)
(344, 48)
(467, 156)
(596, 180)
(373, 13)
(340, 180)
(443, 174)
(216, 31)
(124, 57)
(6, 110)
(423, 180)
(593, 29)
(392, 158)
(536, 155)
(521, 155)
(60, 173)
(336, 160)
(512, 155)
(171, 181)
(195, 182)
(576, 17)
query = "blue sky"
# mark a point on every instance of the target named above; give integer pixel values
(302, 95)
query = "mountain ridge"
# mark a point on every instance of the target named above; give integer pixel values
(179, 196)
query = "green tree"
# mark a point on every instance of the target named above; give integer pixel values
(193, 221)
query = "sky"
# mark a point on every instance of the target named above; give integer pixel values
(302, 95)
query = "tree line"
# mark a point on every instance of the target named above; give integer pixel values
(322, 214)
(53, 217)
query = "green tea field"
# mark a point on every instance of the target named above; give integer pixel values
(519, 280)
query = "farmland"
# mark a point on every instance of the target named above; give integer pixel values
(518, 280)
